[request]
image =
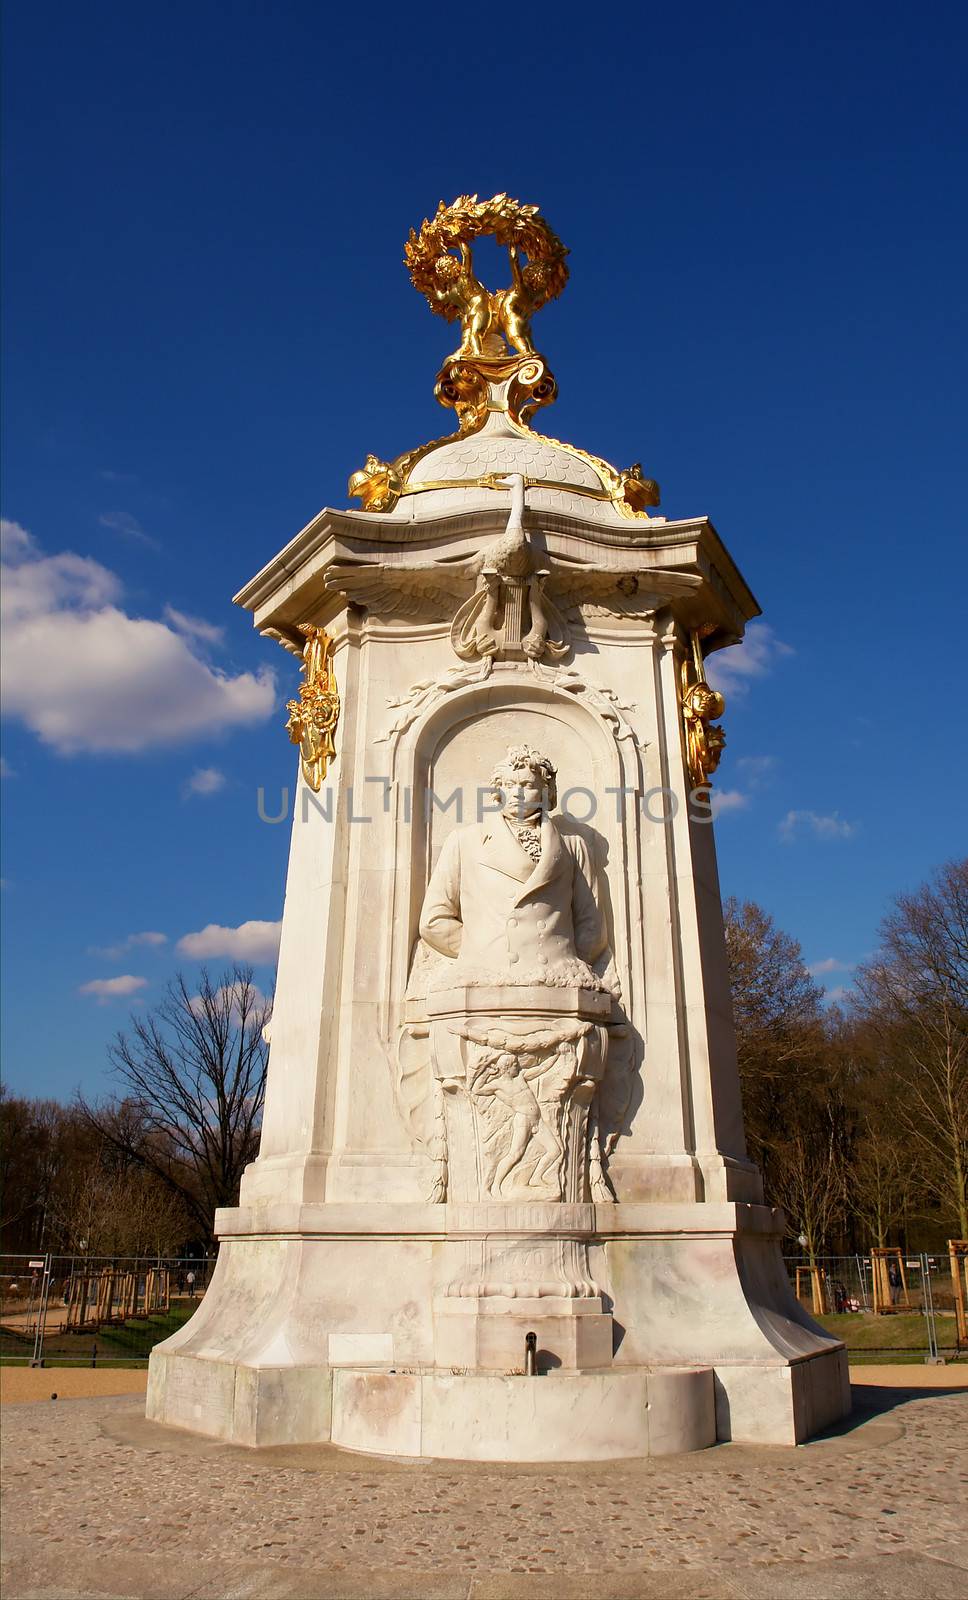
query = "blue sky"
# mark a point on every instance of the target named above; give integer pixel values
(208, 326)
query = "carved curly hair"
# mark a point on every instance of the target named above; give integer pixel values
(524, 758)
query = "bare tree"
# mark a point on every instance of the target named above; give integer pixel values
(913, 997)
(106, 1209)
(40, 1141)
(883, 1178)
(808, 1170)
(194, 1073)
(778, 1012)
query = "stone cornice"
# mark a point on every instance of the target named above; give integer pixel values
(292, 588)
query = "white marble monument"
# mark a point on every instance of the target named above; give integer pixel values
(503, 1098)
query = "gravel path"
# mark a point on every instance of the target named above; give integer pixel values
(99, 1502)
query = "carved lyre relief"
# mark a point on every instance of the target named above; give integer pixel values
(509, 613)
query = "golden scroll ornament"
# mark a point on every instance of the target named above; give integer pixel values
(701, 705)
(314, 716)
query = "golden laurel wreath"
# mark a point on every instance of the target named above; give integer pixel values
(469, 218)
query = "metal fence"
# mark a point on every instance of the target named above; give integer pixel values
(887, 1306)
(84, 1310)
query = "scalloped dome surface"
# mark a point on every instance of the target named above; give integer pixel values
(496, 449)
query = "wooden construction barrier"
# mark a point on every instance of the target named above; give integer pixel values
(813, 1280)
(888, 1296)
(105, 1296)
(157, 1290)
(127, 1295)
(112, 1296)
(958, 1255)
(77, 1302)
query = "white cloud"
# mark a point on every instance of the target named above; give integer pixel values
(15, 541)
(83, 675)
(757, 768)
(105, 989)
(129, 527)
(231, 992)
(817, 969)
(133, 941)
(6, 770)
(204, 781)
(723, 800)
(193, 627)
(37, 585)
(730, 670)
(834, 996)
(833, 826)
(250, 941)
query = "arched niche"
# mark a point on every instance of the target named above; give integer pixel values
(454, 745)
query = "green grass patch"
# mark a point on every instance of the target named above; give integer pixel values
(898, 1336)
(127, 1344)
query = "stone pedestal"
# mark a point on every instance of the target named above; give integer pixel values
(304, 1296)
(446, 1166)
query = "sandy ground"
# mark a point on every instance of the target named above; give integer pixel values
(68, 1383)
(18, 1384)
(904, 1375)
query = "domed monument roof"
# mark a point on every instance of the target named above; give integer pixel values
(440, 528)
(498, 449)
(495, 381)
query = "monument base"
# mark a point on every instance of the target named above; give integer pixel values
(484, 1335)
(332, 1322)
(606, 1416)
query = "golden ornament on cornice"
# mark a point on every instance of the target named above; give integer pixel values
(701, 705)
(377, 484)
(314, 716)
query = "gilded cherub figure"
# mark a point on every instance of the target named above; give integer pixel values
(515, 306)
(456, 285)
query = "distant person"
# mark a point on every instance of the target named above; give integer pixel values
(190, 1280)
(895, 1281)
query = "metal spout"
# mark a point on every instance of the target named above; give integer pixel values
(531, 1355)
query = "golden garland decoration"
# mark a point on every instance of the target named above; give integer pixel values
(468, 218)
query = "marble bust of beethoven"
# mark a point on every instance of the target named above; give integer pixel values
(512, 899)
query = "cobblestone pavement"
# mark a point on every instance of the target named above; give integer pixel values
(98, 1502)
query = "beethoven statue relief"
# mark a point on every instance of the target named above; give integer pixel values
(512, 900)
(518, 997)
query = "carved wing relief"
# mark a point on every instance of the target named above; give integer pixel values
(428, 590)
(614, 591)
